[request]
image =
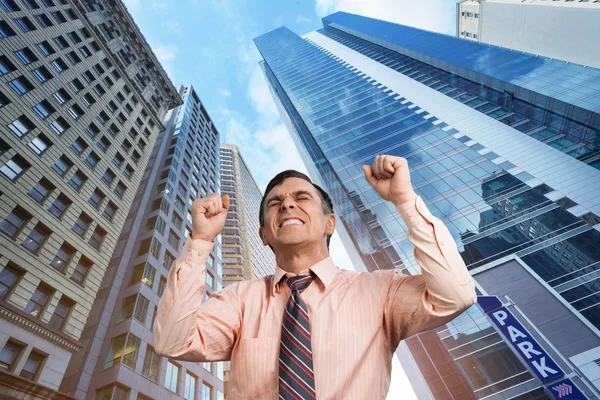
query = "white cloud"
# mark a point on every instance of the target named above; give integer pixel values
(224, 92)
(173, 26)
(433, 15)
(131, 5)
(301, 19)
(166, 54)
(159, 5)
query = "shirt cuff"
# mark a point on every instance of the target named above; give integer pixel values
(415, 212)
(194, 250)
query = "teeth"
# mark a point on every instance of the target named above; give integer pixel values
(292, 222)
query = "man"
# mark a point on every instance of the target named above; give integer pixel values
(311, 330)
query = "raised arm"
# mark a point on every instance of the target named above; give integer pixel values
(187, 328)
(444, 289)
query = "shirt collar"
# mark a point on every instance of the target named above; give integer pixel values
(325, 270)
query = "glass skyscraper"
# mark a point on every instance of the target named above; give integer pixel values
(503, 146)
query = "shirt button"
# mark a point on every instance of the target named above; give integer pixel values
(199, 253)
(441, 243)
(410, 214)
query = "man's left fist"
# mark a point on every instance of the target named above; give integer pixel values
(390, 178)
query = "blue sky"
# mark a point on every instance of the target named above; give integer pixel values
(208, 43)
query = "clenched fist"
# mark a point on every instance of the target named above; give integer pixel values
(208, 216)
(390, 178)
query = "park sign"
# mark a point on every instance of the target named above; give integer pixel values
(531, 353)
(529, 350)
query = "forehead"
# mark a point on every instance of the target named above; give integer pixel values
(291, 185)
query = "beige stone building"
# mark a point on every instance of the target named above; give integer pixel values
(82, 99)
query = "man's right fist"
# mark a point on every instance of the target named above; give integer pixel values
(208, 216)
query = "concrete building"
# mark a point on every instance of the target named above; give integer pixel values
(117, 350)
(82, 98)
(566, 30)
(503, 147)
(244, 256)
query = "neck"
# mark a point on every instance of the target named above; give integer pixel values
(297, 259)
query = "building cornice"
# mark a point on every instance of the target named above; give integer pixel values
(38, 328)
(29, 389)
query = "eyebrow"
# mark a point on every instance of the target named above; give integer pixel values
(295, 194)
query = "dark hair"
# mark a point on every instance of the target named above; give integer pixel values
(290, 173)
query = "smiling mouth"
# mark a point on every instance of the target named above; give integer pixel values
(291, 222)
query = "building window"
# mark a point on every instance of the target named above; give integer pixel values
(162, 284)
(10, 354)
(40, 144)
(59, 125)
(82, 224)
(61, 313)
(135, 306)
(144, 273)
(59, 206)
(42, 74)
(62, 165)
(97, 238)
(76, 85)
(37, 237)
(97, 198)
(9, 276)
(104, 144)
(59, 17)
(44, 21)
(120, 189)
(153, 318)
(41, 190)
(61, 42)
(6, 66)
(14, 222)
(151, 364)
(168, 260)
(62, 257)
(172, 376)
(25, 24)
(79, 146)
(33, 366)
(21, 126)
(92, 130)
(206, 391)
(61, 96)
(6, 30)
(43, 109)
(78, 180)
(189, 391)
(39, 299)
(9, 5)
(81, 270)
(20, 85)
(123, 350)
(173, 239)
(112, 393)
(209, 279)
(45, 48)
(75, 111)
(92, 160)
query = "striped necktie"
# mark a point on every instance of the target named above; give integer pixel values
(296, 376)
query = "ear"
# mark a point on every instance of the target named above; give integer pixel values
(330, 224)
(263, 236)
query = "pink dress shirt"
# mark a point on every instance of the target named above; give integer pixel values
(357, 319)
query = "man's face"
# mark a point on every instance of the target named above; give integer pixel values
(294, 215)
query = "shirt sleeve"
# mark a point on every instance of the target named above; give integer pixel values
(186, 328)
(442, 291)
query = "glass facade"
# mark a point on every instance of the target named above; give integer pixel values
(340, 118)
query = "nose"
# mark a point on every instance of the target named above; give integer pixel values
(287, 203)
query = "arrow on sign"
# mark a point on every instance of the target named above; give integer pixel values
(563, 389)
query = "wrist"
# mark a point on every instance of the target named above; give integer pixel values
(200, 236)
(405, 198)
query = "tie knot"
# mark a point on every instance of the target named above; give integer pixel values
(299, 282)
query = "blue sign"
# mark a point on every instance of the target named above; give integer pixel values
(525, 345)
(566, 390)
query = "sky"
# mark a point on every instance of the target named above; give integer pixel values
(208, 44)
